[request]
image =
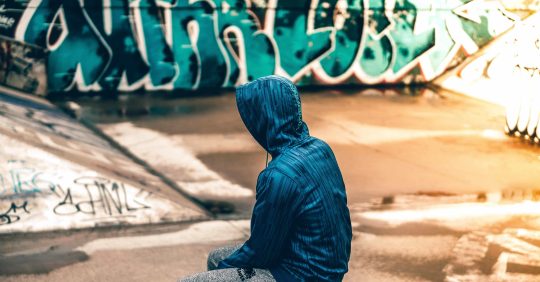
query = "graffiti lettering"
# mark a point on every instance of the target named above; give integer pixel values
(6, 22)
(23, 180)
(11, 215)
(512, 61)
(103, 196)
(127, 67)
(153, 45)
(165, 44)
(64, 27)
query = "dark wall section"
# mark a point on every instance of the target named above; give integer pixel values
(23, 66)
(189, 44)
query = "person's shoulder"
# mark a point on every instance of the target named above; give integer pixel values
(272, 176)
(320, 143)
(312, 148)
(274, 170)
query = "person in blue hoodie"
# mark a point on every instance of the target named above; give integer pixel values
(300, 227)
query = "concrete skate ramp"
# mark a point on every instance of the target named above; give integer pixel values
(55, 173)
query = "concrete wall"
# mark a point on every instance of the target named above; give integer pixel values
(179, 44)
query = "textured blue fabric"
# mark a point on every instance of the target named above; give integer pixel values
(300, 228)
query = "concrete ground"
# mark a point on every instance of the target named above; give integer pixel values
(386, 141)
(436, 190)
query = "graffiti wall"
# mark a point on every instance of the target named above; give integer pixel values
(506, 73)
(104, 45)
(57, 174)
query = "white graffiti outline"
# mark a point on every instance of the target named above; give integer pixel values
(452, 25)
(310, 29)
(61, 16)
(321, 75)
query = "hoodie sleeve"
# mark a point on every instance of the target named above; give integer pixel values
(275, 208)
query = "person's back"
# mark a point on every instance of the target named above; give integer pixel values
(319, 244)
(300, 227)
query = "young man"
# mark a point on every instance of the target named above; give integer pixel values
(300, 228)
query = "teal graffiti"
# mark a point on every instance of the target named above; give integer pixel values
(22, 180)
(297, 47)
(196, 49)
(82, 47)
(442, 17)
(192, 44)
(347, 40)
(377, 53)
(240, 32)
(391, 44)
(408, 45)
(492, 22)
(378, 19)
(126, 58)
(159, 55)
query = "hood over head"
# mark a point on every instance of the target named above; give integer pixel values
(270, 108)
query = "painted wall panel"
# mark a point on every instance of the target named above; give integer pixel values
(190, 44)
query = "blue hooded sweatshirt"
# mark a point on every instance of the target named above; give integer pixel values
(300, 227)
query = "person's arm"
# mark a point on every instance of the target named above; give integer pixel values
(273, 216)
